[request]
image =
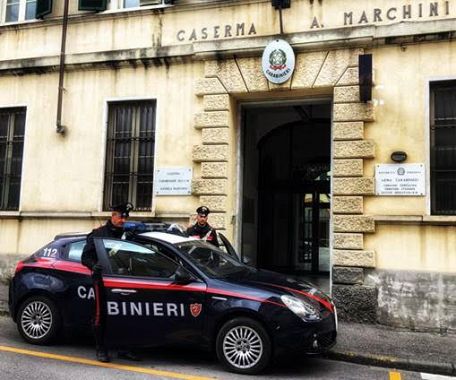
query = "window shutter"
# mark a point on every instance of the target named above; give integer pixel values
(92, 5)
(43, 8)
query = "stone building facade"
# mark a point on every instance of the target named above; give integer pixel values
(200, 62)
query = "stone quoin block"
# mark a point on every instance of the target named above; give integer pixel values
(351, 130)
(348, 205)
(217, 220)
(202, 186)
(353, 112)
(307, 67)
(353, 186)
(333, 68)
(347, 275)
(212, 119)
(208, 86)
(353, 223)
(353, 258)
(215, 136)
(354, 149)
(227, 71)
(348, 241)
(214, 169)
(210, 153)
(253, 75)
(216, 102)
(350, 77)
(348, 168)
(355, 303)
(346, 94)
(215, 203)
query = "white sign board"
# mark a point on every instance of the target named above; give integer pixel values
(278, 61)
(173, 181)
(400, 179)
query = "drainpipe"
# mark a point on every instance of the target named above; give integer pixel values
(59, 127)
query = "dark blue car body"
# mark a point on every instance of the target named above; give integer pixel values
(163, 308)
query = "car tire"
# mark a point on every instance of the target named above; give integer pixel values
(38, 320)
(243, 346)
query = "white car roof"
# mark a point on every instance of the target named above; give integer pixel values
(170, 238)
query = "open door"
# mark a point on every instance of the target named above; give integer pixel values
(227, 247)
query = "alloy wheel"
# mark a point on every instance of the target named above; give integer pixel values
(242, 347)
(36, 320)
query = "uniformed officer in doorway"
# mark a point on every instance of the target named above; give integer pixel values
(112, 229)
(201, 229)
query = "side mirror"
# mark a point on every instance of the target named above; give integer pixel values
(183, 276)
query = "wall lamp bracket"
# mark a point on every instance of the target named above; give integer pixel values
(281, 4)
(398, 156)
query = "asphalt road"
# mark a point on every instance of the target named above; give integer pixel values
(19, 360)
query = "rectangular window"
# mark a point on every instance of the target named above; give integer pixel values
(20, 10)
(130, 151)
(12, 127)
(443, 148)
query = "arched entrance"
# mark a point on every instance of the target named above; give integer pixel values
(287, 155)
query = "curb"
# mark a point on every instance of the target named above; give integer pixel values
(394, 362)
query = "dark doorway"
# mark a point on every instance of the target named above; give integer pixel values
(286, 206)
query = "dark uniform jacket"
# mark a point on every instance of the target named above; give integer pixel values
(201, 232)
(89, 254)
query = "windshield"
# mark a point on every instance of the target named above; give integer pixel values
(211, 260)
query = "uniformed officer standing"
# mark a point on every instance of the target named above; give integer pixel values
(112, 229)
(201, 229)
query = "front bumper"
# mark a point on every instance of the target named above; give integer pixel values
(306, 337)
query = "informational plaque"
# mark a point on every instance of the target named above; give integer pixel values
(400, 179)
(173, 181)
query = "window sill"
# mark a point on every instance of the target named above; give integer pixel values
(416, 219)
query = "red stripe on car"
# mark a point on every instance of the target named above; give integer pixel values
(324, 302)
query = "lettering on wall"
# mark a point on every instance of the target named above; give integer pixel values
(392, 12)
(216, 32)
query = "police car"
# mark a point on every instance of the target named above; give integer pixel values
(166, 289)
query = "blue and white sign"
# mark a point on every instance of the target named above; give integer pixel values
(278, 61)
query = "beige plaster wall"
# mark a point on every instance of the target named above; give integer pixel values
(414, 248)
(317, 21)
(402, 123)
(402, 103)
(64, 174)
(27, 236)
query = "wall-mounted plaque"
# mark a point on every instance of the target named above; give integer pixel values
(173, 181)
(400, 179)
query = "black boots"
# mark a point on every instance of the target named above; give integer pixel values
(102, 356)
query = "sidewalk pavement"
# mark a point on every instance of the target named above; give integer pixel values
(376, 345)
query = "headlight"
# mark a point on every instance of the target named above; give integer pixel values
(300, 308)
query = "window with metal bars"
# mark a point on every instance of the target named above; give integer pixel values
(129, 172)
(443, 148)
(12, 127)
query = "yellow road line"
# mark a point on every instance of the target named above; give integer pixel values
(75, 359)
(395, 376)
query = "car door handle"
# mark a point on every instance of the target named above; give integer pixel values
(124, 292)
